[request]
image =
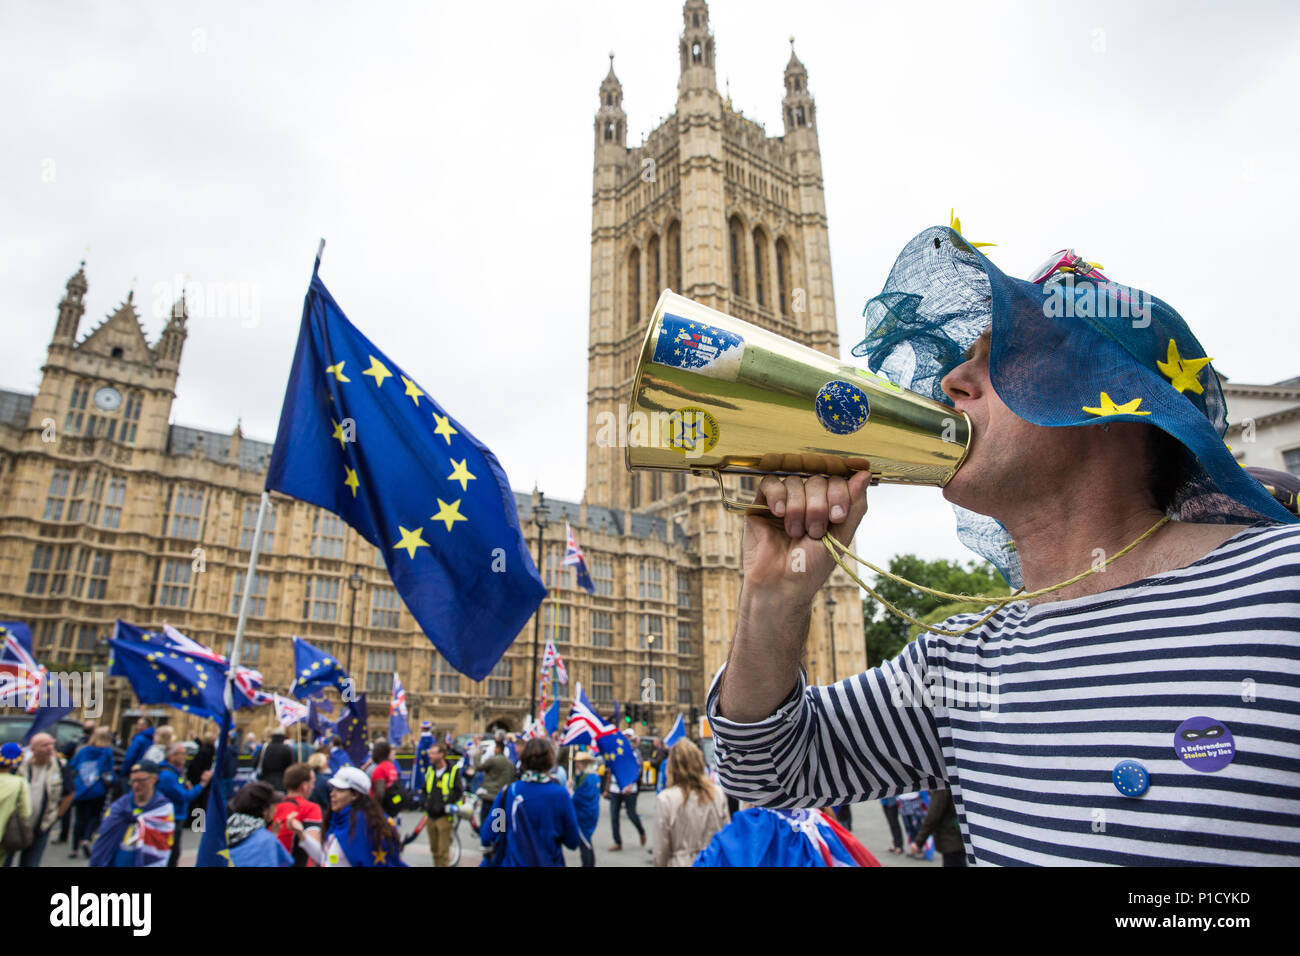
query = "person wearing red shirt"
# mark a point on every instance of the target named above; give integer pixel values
(299, 779)
(383, 776)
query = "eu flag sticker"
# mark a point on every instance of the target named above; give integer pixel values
(842, 407)
(698, 347)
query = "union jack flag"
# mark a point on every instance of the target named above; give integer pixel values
(573, 557)
(397, 725)
(247, 681)
(288, 711)
(20, 676)
(551, 658)
(150, 835)
(584, 725)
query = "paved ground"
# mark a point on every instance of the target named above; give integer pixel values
(869, 826)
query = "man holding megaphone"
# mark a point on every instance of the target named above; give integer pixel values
(1136, 702)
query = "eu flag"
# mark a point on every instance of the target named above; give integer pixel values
(314, 670)
(352, 728)
(620, 757)
(361, 438)
(165, 675)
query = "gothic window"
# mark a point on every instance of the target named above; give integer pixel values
(113, 502)
(602, 684)
(443, 678)
(683, 639)
(634, 498)
(322, 600)
(174, 583)
(384, 608)
(58, 495)
(679, 482)
(250, 526)
(602, 572)
(634, 288)
(697, 55)
(602, 629)
(186, 513)
(609, 132)
(499, 680)
(797, 85)
(656, 485)
(327, 536)
(789, 116)
(760, 277)
(737, 261)
(783, 275)
(380, 666)
(652, 266)
(675, 257)
(131, 417)
(556, 621)
(76, 407)
(39, 575)
(256, 598)
(798, 116)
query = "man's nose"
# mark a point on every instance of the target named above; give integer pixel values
(958, 384)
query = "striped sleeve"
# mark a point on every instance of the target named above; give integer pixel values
(869, 736)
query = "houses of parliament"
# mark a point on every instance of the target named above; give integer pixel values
(108, 510)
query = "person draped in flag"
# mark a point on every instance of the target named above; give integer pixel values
(139, 827)
(398, 728)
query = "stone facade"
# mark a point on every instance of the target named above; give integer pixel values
(712, 207)
(108, 510)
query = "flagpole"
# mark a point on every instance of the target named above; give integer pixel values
(248, 586)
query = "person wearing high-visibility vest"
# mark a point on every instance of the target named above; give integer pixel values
(444, 788)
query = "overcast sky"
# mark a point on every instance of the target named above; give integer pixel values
(445, 152)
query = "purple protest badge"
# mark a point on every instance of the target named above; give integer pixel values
(1204, 744)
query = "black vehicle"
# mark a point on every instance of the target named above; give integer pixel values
(14, 726)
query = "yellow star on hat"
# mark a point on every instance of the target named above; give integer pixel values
(1183, 373)
(1108, 407)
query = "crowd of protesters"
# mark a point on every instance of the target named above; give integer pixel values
(521, 805)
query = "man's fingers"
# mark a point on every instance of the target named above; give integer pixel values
(795, 502)
(816, 506)
(856, 490)
(771, 492)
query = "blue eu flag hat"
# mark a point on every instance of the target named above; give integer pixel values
(1067, 351)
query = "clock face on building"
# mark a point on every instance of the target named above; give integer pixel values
(108, 399)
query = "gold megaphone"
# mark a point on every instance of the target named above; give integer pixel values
(714, 394)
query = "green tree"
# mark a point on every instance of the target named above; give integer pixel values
(887, 634)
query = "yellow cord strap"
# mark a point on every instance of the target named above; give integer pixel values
(999, 601)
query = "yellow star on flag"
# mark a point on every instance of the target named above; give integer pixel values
(411, 540)
(338, 433)
(1108, 407)
(378, 855)
(378, 372)
(1182, 373)
(461, 474)
(351, 480)
(337, 371)
(449, 513)
(444, 427)
(413, 390)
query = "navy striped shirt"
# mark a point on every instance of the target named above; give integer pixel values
(1193, 673)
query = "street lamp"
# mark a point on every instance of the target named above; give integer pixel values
(354, 582)
(540, 516)
(830, 614)
(650, 673)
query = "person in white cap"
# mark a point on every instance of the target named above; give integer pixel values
(357, 833)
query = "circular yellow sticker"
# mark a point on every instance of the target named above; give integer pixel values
(691, 431)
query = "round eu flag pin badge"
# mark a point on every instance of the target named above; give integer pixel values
(1131, 778)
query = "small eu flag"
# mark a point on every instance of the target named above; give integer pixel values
(160, 674)
(360, 437)
(314, 670)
